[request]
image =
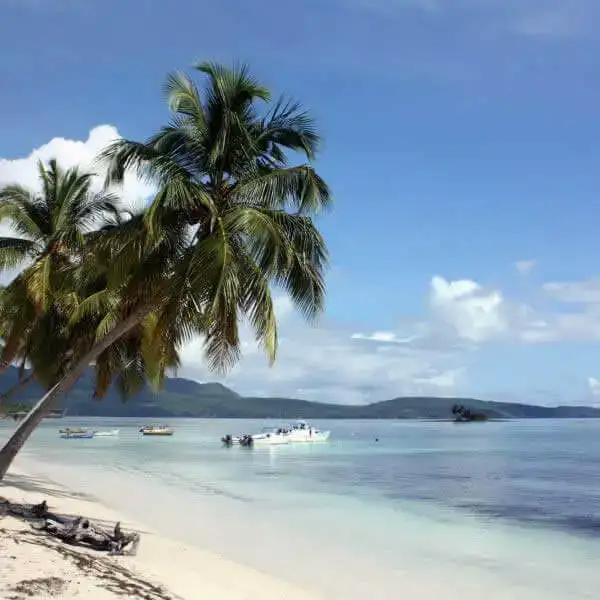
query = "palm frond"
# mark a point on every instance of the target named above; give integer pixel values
(290, 126)
(26, 213)
(15, 251)
(299, 188)
(183, 97)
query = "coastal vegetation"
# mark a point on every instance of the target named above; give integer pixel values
(462, 414)
(122, 290)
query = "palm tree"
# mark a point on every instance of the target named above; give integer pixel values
(59, 232)
(50, 233)
(231, 218)
(81, 302)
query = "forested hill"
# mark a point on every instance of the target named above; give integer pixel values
(186, 398)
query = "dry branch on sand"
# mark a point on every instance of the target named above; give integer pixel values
(105, 573)
(77, 530)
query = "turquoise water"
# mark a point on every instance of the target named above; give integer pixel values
(508, 510)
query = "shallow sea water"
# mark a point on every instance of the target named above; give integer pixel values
(497, 510)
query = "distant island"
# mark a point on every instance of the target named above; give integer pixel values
(185, 398)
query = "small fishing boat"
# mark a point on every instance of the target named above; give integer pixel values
(81, 434)
(158, 430)
(109, 433)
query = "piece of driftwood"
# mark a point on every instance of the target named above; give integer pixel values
(74, 531)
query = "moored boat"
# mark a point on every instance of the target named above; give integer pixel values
(73, 430)
(300, 432)
(76, 434)
(158, 430)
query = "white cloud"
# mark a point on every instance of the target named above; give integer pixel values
(478, 315)
(330, 363)
(389, 337)
(70, 153)
(524, 267)
(429, 356)
(473, 313)
(594, 386)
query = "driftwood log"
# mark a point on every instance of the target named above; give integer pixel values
(70, 530)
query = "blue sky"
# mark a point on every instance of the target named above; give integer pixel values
(461, 136)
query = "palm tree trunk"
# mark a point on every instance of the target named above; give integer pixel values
(37, 413)
(15, 388)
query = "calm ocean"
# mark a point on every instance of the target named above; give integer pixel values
(510, 508)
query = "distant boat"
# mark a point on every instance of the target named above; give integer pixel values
(74, 430)
(158, 430)
(76, 434)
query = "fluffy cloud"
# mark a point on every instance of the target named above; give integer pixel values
(329, 362)
(594, 386)
(70, 153)
(469, 311)
(332, 363)
(478, 315)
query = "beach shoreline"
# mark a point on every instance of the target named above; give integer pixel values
(163, 569)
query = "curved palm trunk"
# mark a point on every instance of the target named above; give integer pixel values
(37, 413)
(15, 388)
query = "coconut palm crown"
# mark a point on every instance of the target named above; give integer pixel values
(242, 214)
(49, 235)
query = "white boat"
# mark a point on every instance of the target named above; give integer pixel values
(273, 437)
(300, 432)
(109, 433)
(158, 430)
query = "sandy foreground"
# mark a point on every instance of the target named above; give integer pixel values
(35, 565)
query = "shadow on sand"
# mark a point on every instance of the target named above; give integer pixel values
(42, 486)
(51, 490)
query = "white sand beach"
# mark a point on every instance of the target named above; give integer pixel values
(32, 564)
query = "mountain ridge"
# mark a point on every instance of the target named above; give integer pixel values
(182, 397)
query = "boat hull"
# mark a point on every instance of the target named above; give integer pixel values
(270, 440)
(76, 436)
(321, 436)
